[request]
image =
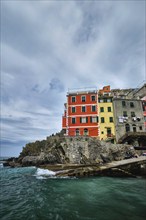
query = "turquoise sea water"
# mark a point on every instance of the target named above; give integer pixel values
(31, 193)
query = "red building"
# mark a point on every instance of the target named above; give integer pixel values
(81, 113)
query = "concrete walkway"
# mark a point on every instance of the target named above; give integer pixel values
(123, 162)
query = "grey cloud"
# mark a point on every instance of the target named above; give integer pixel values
(48, 47)
(56, 84)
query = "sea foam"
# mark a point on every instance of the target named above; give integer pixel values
(1, 165)
(43, 173)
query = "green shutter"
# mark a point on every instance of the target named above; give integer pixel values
(91, 119)
(86, 119)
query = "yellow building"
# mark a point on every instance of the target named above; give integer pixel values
(106, 119)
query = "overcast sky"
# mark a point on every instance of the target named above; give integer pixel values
(50, 46)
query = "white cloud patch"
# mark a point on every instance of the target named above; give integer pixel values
(48, 47)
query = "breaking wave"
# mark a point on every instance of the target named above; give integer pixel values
(44, 173)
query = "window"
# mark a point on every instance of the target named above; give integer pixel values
(84, 120)
(134, 127)
(109, 100)
(109, 132)
(145, 118)
(132, 114)
(94, 119)
(83, 98)
(100, 100)
(144, 105)
(111, 119)
(73, 109)
(109, 109)
(131, 104)
(102, 132)
(93, 108)
(140, 127)
(101, 109)
(124, 113)
(85, 131)
(123, 103)
(77, 132)
(73, 98)
(83, 109)
(127, 127)
(73, 120)
(104, 100)
(102, 119)
(93, 98)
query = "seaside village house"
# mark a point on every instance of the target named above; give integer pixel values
(81, 113)
(144, 110)
(141, 94)
(106, 114)
(106, 117)
(128, 116)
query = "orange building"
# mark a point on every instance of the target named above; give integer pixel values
(81, 113)
(105, 91)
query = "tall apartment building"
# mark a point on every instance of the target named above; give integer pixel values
(81, 113)
(128, 116)
(144, 110)
(140, 93)
(106, 114)
(106, 117)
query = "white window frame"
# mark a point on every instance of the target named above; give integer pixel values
(72, 120)
(83, 120)
(93, 96)
(92, 109)
(72, 108)
(84, 107)
(82, 97)
(94, 119)
(73, 97)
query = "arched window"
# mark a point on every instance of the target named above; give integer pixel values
(127, 127)
(86, 131)
(77, 132)
(134, 127)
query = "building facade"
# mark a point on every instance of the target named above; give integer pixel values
(81, 113)
(128, 116)
(106, 114)
(106, 117)
(144, 110)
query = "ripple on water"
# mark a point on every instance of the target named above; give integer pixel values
(24, 196)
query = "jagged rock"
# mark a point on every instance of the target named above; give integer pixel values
(30, 161)
(73, 150)
(105, 158)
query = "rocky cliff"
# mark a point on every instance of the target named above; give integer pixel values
(74, 150)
